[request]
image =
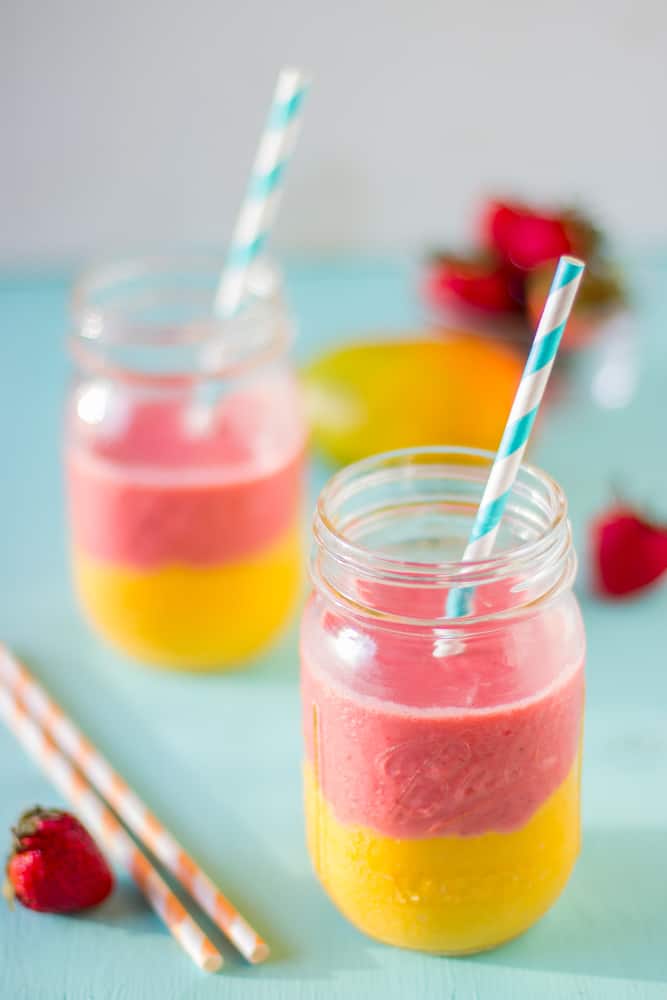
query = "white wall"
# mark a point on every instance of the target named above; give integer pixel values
(133, 122)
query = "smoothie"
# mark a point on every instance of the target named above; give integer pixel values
(441, 779)
(186, 546)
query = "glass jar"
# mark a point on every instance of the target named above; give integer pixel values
(184, 457)
(442, 755)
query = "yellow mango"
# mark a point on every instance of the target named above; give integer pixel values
(456, 389)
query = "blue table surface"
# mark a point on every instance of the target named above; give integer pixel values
(218, 757)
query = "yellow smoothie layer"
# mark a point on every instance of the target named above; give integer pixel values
(196, 618)
(451, 895)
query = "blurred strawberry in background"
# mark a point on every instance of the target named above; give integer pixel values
(479, 281)
(524, 238)
(627, 551)
(509, 276)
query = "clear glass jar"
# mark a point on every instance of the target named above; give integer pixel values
(442, 755)
(184, 457)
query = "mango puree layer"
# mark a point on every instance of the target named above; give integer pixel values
(193, 617)
(452, 894)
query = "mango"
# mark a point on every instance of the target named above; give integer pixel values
(374, 396)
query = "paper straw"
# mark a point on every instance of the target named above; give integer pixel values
(108, 831)
(520, 421)
(253, 225)
(143, 823)
(264, 189)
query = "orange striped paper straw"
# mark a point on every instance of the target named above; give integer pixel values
(143, 823)
(118, 844)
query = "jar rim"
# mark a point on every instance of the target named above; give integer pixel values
(258, 333)
(551, 545)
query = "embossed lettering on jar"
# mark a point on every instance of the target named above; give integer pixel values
(442, 756)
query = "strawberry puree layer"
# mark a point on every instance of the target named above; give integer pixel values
(450, 742)
(148, 492)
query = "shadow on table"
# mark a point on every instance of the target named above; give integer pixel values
(610, 923)
(311, 941)
(612, 918)
(125, 908)
(301, 948)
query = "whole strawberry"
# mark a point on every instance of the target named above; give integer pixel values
(525, 238)
(55, 865)
(628, 552)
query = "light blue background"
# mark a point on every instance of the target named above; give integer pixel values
(218, 758)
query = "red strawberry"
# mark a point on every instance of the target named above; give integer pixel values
(55, 865)
(628, 552)
(525, 238)
(480, 281)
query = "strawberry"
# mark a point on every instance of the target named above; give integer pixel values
(479, 281)
(525, 238)
(55, 865)
(628, 552)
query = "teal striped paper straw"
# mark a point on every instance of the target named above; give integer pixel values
(520, 422)
(264, 189)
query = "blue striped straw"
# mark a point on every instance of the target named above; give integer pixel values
(253, 225)
(520, 422)
(264, 190)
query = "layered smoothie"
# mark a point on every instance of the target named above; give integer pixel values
(186, 545)
(442, 778)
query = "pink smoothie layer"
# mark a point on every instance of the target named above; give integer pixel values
(146, 491)
(417, 739)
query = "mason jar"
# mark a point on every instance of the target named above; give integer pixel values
(184, 454)
(442, 755)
